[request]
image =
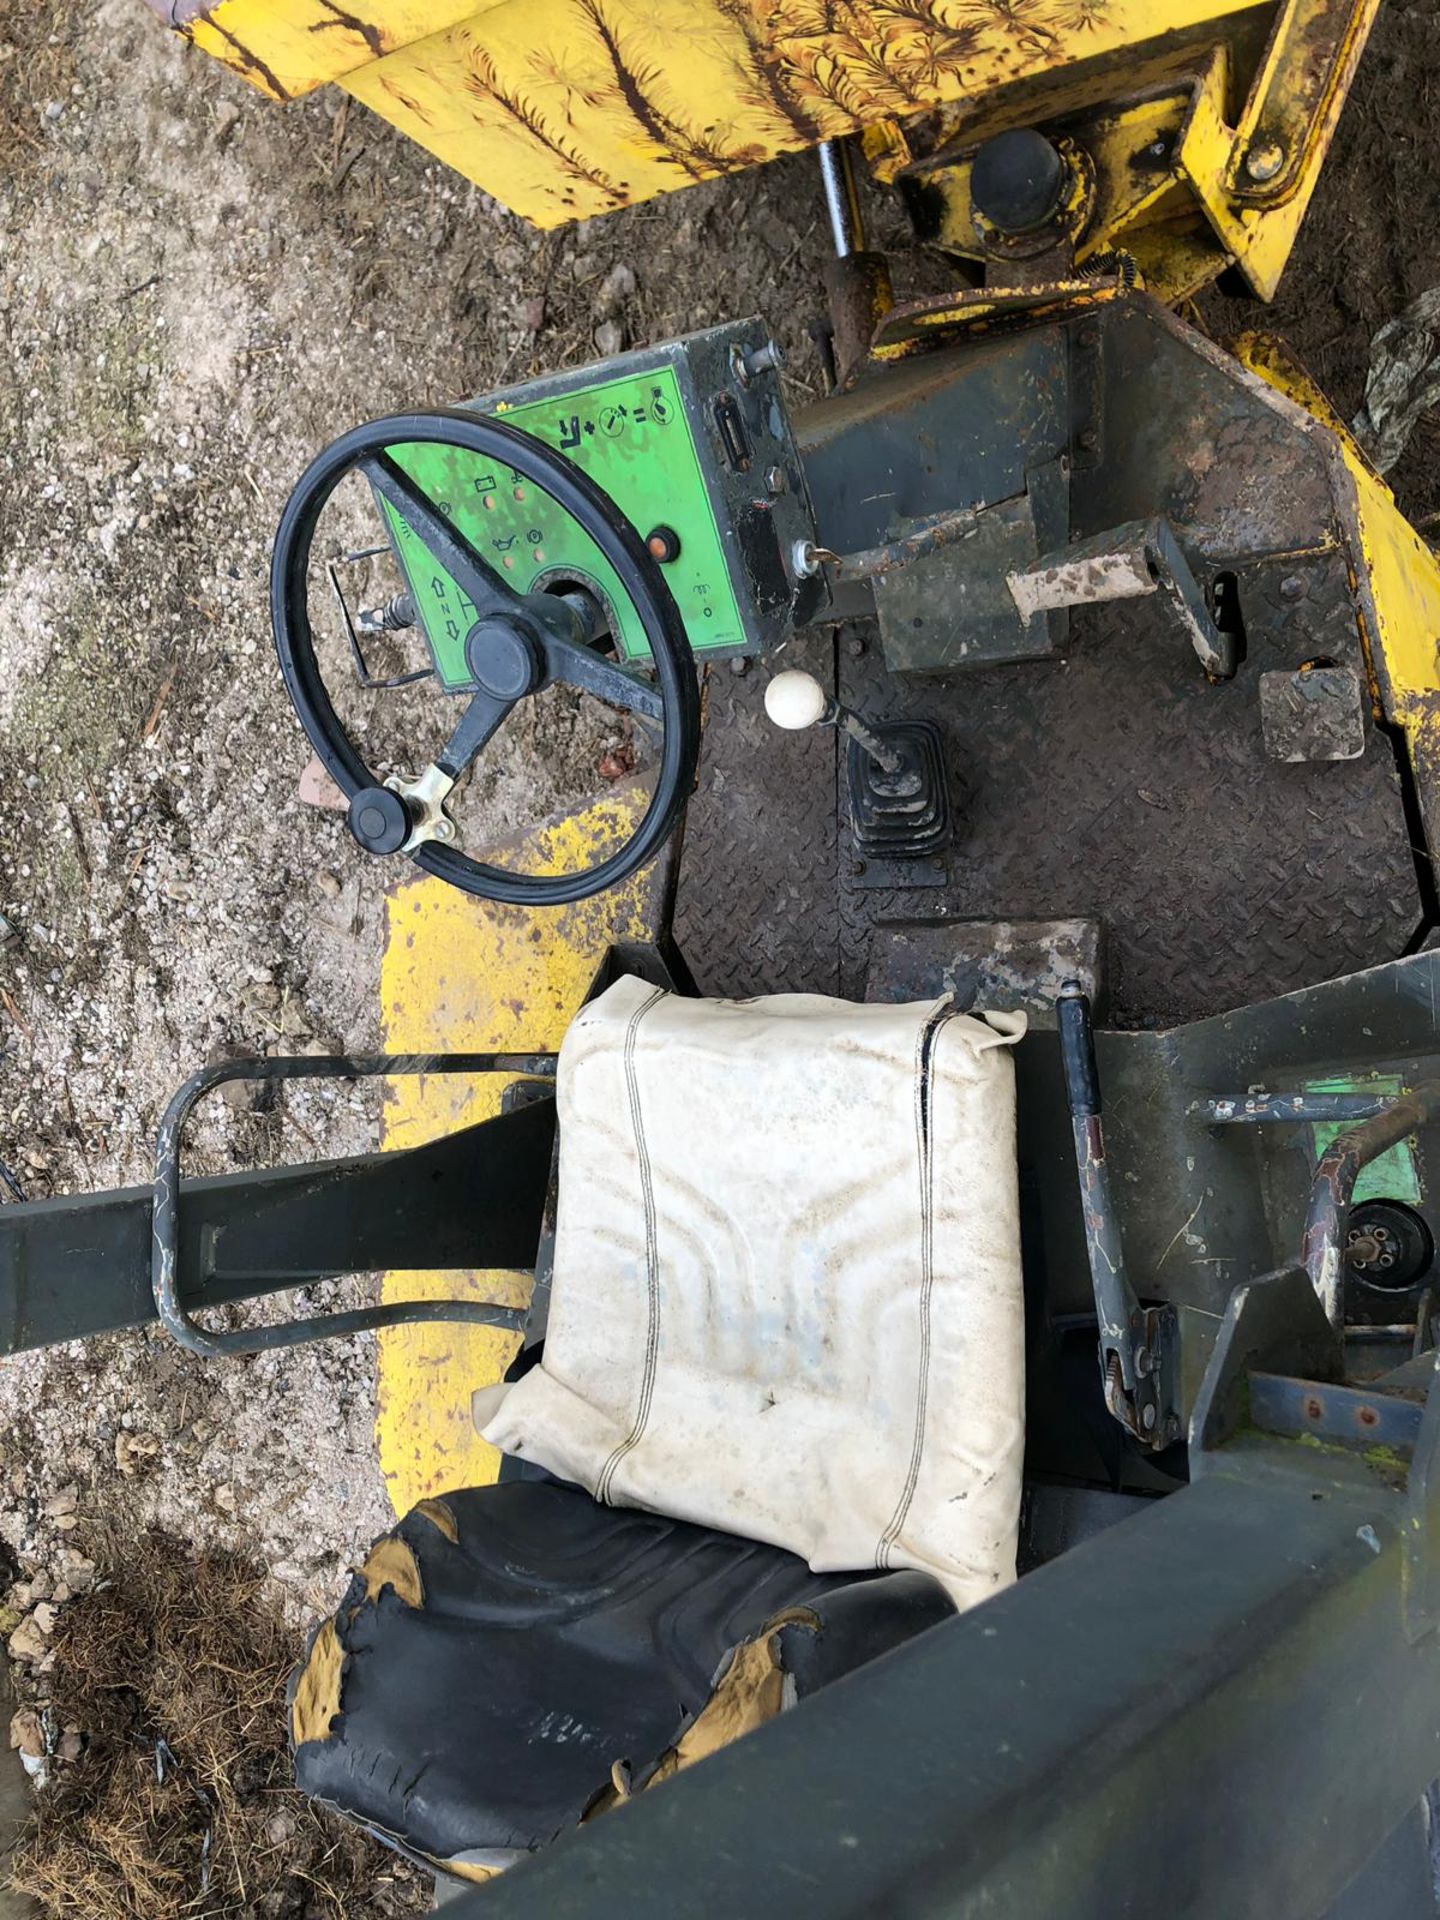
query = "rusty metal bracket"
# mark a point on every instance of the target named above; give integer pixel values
(1138, 1345)
(1365, 1417)
(1125, 563)
(1287, 121)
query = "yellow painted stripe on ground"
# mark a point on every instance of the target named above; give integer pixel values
(461, 974)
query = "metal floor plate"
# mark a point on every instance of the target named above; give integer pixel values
(758, 906)
(1117, 783)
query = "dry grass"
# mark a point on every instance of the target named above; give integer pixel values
(181, 1803)
(37, 66)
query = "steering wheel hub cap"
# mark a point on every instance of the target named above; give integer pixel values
(504, 658)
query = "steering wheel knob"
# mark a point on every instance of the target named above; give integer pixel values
(379, 820)
(503, 658)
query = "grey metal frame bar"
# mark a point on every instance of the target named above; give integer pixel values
(165, 1226)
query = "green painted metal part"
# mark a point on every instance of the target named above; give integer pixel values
(632, 436)
(1394, 1176)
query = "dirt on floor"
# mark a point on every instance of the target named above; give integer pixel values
(198, 290)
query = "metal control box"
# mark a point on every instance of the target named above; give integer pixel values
(691, 440)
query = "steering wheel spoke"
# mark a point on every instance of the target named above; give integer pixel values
(478, 725)
(481, 583)
(580, 666)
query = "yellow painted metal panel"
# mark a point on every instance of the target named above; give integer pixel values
(567, 108)
(1294, 104)
(1258, 237)
(289, 47)
(1405, 587)
(461, 974)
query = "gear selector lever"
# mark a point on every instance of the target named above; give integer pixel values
(895, 771)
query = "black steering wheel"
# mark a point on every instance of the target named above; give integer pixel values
(517, 644)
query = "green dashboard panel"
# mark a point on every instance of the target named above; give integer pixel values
(633, 437)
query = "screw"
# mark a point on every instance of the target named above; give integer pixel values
(775, 481)
(1264, 160)
(739, 665)
(1147, 1417)
(856, 646)
(1172, 1428)
(1292, 587)
(1158, 149)
(1144, 1361)
(857, 867)
(1089, 439)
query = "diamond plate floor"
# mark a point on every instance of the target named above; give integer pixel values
(758, 908)
(1116, 783)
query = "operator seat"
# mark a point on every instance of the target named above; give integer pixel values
(774, 1426)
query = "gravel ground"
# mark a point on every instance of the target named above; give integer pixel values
(197, 292)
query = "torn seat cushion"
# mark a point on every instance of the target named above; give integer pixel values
(512, 1657)
(786, 1298)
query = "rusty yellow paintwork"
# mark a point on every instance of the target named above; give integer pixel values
(566, 108)
(1400, 589)
(470, 974)
(1397, 578)
(1257, 233)
(1270, 357)
(289, 47)
(1194, 208)
(916, 325)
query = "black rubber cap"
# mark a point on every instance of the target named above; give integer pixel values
(1017, 180)
(379, 820)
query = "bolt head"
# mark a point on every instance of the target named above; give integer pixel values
(1264, 160)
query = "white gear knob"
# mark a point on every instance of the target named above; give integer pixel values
(795, 700)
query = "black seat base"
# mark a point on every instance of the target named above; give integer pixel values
(513, 1657)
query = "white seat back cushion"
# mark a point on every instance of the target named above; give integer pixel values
(786, 1297)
